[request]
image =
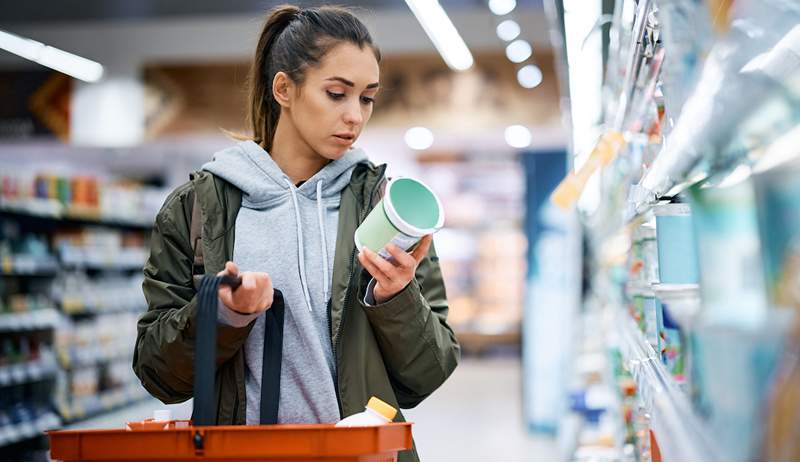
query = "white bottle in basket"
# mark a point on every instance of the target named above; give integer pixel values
(376, 413)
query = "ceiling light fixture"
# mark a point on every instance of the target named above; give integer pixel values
(443, 33)
(60, 60)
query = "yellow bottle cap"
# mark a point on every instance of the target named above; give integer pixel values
(382, 408)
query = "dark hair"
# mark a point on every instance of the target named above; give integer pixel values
(294, 39)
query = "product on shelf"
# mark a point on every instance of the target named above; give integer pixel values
(24, 253)
(672, 344)
(101, 248)
(75, 292)
(95, 355)
(80, 196)
(778, 199)
(729, 251)
(677, 258)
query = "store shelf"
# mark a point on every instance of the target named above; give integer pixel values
(680, 433)
(49, 210)
(124, 260)
(29, 321)
(86, 357)
(25, 266)
(90, 406)
(77, 307)
(32, 371)
(14, 433)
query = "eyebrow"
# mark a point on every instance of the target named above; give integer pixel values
(351, 84)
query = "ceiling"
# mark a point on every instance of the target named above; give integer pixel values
(40, 11)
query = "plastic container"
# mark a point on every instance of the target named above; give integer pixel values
(408, 211)
(375, 413)
(677, 257)
(646, 249)
(682, 301)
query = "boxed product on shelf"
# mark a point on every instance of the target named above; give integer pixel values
(672, 342)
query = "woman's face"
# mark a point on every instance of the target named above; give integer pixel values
(335, 102)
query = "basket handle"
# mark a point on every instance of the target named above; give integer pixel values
(205, 412)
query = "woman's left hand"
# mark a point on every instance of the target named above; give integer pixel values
(392, 277)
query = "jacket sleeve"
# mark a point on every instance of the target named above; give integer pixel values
(164, 354)
(418, 346)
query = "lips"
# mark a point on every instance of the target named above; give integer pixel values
(346, 136)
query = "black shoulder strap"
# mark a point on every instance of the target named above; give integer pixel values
(196, 240)
(271, 362)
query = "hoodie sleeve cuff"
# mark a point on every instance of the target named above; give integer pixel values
(231, 318)
(369, 295)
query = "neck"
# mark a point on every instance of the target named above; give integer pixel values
(293, 155)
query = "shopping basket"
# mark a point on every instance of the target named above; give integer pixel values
(181, 440)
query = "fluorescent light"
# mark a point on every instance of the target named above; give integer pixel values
(508, 30)
(442, 33)
(419, 138)
(518, 136)
(502, 7)
(518, 51)
(529, 76)
(60, 60)
(585, 67)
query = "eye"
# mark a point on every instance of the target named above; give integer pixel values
(367, 100)
(335, 96)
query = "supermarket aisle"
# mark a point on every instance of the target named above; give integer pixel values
(473, 417)
(477, 415)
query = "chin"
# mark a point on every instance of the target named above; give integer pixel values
(333, 153)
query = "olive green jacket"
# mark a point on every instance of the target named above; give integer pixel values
(400, 351)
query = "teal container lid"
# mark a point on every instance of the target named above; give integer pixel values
(413, 207)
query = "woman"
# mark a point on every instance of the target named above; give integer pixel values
(280, 210)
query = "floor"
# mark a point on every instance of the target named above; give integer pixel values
(475, 416)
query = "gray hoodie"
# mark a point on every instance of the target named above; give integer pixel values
(288, 232)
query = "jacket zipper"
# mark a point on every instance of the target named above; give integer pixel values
(348, 291)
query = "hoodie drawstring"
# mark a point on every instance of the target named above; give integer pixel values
(321, 216)
(300, 253)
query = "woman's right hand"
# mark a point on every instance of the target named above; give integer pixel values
(252, 297)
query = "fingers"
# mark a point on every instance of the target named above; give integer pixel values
(249, 281)
(422, 249)
(253, 296)
(366, 257)
(404, 259)
(230, 268)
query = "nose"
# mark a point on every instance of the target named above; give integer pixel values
(352, 115)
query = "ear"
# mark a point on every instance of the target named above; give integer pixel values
(282, 88)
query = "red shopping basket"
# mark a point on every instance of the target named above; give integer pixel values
(196, 440)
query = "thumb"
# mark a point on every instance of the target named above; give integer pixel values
(231, 268)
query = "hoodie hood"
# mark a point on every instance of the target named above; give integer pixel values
(250, 168)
